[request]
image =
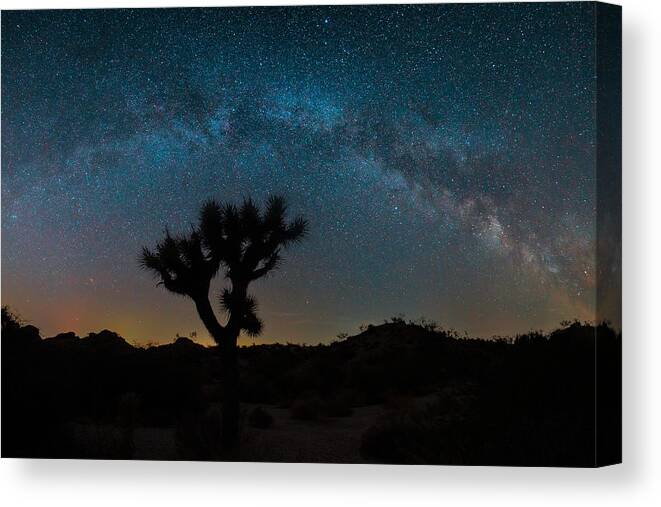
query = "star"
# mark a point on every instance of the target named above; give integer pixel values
(441, 152)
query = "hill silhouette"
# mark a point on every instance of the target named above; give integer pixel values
(399, 392)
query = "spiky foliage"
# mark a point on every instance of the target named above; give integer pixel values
(243, 310)
(245, 242)
(181, 264)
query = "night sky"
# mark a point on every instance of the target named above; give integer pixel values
(443, 155)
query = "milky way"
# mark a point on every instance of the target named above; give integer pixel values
(444, 156)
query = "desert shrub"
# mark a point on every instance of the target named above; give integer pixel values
(10, 320)
(393, 441)
(260, 418)
(305, 409)
(430, 434)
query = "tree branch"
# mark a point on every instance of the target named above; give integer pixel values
(209, 319)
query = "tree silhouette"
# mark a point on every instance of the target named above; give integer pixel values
(246, 244)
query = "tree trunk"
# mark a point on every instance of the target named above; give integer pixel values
(226, 340)
(230, 391)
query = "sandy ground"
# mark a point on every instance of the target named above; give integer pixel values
(327, 440)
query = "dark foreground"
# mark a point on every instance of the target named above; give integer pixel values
(396, 393)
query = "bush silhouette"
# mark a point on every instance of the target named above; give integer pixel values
(245, 244)
(10, 321)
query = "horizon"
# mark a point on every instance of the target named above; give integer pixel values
(446, 172)
(245, 341)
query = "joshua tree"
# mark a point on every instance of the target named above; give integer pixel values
(246, 245)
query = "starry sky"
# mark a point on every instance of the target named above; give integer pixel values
(444, 156)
